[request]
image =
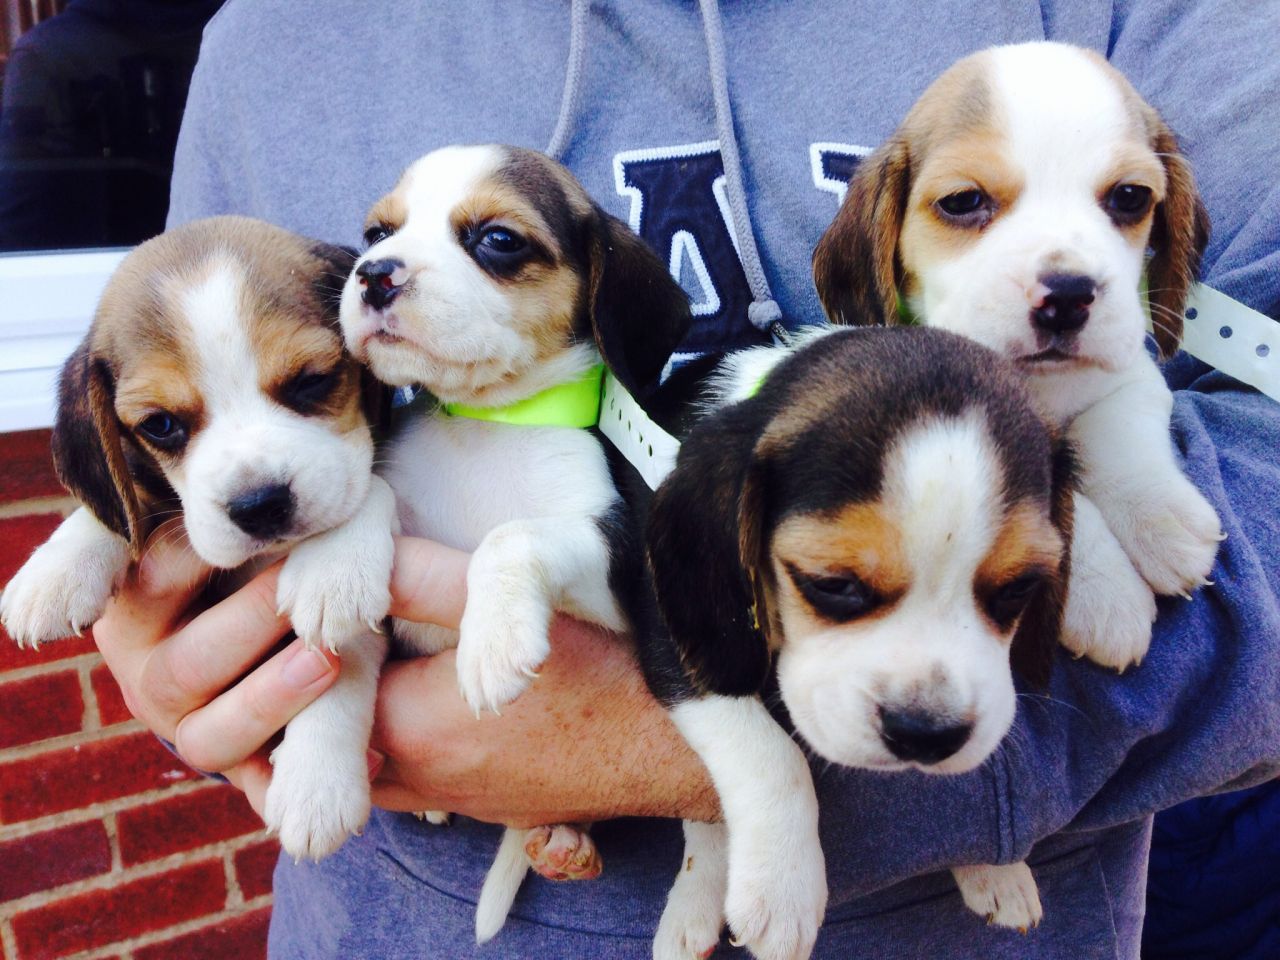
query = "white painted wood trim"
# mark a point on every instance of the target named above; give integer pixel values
(46, 303)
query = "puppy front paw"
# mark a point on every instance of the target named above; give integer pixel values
(502, 641)
(1109, 608)
(62, 589)
(1006, 895)
(1172, 534)
(315, 801)
(776, 900)
(332, 595)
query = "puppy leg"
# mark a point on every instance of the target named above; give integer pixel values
(1006, 895)
(319, 791)
(518, 575)
(1131, 473)
(777, 883)
(337, 584)
(65, 585)
(564, 851)
(694, 915)
(1109, 608)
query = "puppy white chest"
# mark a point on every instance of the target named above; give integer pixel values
(456, 479)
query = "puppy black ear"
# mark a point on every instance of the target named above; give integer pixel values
(1179, 235)
(87, 453)
(1035, 642)
(695, 549)
(336, 264)
(639, 314)
(855, 264)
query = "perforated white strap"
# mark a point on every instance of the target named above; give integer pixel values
(649, 448)
(1233, 338)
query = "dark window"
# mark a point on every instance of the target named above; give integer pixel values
(92, 98)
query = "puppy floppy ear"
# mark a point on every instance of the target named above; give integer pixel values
(695, 551)
(87, 452)
(639, 314)
(1035, 642)
(855, 265)
(1179, 234)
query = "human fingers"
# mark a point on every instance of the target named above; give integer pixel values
(429, 582)
(153, 596)
(235, 724)
(207, 655)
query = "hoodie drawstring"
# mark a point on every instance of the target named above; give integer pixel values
(562, 135)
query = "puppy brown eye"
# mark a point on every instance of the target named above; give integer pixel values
(376, 234)
(966, 208)
(840, 598)
(164, 430)
(502, 241)
(1128, 202)
(1005, 604)
(309, 389)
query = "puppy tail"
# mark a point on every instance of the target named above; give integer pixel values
(501, 884)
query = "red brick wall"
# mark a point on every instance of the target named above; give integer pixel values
(109, 846)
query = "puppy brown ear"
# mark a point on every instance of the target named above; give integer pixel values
(1035, 642)
(855, 265)
(87, 453)
(695, 550)
(1179, 235)
(639, 314)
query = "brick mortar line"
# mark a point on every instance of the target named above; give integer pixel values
(112, 826)
(7, 937)
(140, 871)
(235, 896)
(92, 659)
(63, 505)
(170, 933)
(26, 751)
(95, 811)
(92, 719)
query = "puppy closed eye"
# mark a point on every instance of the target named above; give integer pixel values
(1006, 603)
(970, 209)
(309, 389)
(841, 597)
(163, 430)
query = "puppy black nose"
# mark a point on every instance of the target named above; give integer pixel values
(1065, 307)
(919, 736)
(375, 277)
(263, 512)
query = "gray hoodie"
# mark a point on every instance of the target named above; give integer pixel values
(303, 113)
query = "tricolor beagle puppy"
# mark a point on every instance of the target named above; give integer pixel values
(1020, 203)
(881, 515)
(493, 281)
(212, 403)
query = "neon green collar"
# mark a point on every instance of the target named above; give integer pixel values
(572, 404)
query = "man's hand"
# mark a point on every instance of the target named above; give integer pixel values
(586, 742)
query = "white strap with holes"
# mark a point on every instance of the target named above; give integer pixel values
(649, 448)
(1231, 337)
(1224, 333)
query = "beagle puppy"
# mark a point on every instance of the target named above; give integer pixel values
(1021, 202)
(493, 281)
(880, 515)
(212, 403)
